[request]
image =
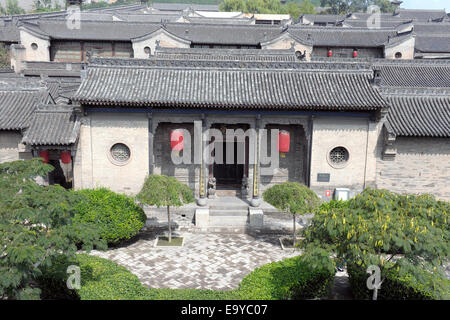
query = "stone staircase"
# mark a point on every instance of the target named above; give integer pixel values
(228, 213)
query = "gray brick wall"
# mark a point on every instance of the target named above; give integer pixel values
(422, 165)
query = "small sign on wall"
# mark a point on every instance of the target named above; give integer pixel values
(328, 193)
(323, 177)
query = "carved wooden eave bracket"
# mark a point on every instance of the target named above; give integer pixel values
(389, 137)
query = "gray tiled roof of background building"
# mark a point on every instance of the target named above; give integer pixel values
(9, 33)
(414, 74)
(17, 106)
(184, 6)
(125, 31)
(155, 18)
(225, 33)
(338, 36)
(173, 87)
(52, 125)
(226, 54)
(363, 23)
(431, 43)
(93, 30)
(203, 20)
(420, 116)
(420, 14)
(323, 18)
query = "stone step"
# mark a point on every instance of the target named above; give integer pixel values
(228, 193)
(228, 212)
(228, 221)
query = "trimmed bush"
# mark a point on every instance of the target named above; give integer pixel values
(116, 216)
(401, 282)
(303, 277)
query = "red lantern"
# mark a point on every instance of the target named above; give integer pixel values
(45, 155)
(283, 142)
(355, 53)
(177, 140)
(65, 157)
(330, 53)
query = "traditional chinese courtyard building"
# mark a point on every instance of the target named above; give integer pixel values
(348, 107)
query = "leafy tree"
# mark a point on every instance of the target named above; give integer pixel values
(116, 216)
(161, 190)
(307, 7)
(233, 5)
(346, 6)
(378, 226)
(12, 7)
(5, 60)
(293, 198)
(36, 227)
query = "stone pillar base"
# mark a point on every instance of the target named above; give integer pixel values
(201, 201)
(202, 217)
(256, 217)
(255, 202)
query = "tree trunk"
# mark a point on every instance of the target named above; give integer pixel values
(294, 239)
(170, 228)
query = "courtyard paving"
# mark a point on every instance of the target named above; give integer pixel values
(206, 261)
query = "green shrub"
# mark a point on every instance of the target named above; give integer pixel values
(402, 281)
(116, 216)
(303, 277)
(102, 279)
(381, 222)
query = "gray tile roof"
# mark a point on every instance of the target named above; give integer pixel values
(432, 37)
(225, 54)
(224, 33)
(345, 37)
(17, 106)
(323, 18)
(420, 14)
(431, 43)
(125, 31)
(187, 87)
(9, 33)
(204, 20)
(184, 6)
(362, 23)
(419, 116)
(414, 74)
(52, 125)
(93, 30)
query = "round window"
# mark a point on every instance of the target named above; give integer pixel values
(398, 55)
(120, 153)
(34, 46)
(147, 50)
(338, 157)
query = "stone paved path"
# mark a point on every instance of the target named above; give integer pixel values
(206, 261)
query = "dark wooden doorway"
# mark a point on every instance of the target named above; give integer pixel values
(229, 175)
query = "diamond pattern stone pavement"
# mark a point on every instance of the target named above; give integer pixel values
(205, 261)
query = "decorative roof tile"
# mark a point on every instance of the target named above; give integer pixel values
(185, 87)
(16, 107)
(414, 74)
(419, 116)
(52, 125)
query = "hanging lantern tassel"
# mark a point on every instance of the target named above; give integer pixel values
(65, 162)
(283, 143)
(45, 155)
(177, 141)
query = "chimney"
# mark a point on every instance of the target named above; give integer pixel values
(377, 76)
